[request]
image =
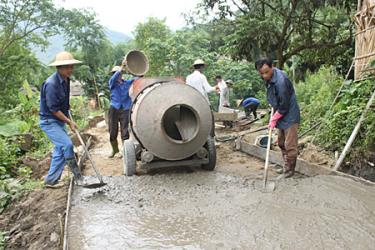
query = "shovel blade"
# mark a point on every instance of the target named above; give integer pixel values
(267, 187)
(93, 185)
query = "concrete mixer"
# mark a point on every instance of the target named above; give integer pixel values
(170, 124)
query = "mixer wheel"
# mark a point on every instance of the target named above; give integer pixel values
(210, 146)
(129, 158)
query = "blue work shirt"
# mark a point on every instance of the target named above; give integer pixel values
(54, 96)
(282, 97)
(250, 100)
(120, 98)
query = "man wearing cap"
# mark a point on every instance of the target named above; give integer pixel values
(54, 114)
(286, 117)
(199, 81)
(119, 108)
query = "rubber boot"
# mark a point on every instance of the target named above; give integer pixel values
(72, 163)
(289, 172)
(282, 170)
(115, 149)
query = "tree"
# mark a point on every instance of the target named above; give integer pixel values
(28, 22)
(151, 37)
(87, 39)
(284, 28)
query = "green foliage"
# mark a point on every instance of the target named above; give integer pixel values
(2, 240)
(174, 55)
(13, 128)
(8, 158)
(283, 29)
(316, 96)
(344, 116)
(27, 22)
(80, 111)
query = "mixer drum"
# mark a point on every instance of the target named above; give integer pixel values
(172, 120)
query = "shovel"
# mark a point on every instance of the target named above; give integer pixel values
(268, 186)
(100, 178)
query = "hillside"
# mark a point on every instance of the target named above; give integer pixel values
(57, 45)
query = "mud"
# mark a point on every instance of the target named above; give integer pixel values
(36, 220)
(216, 210)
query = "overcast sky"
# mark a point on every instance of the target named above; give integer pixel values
(124, 15)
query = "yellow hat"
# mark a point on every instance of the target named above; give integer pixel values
(64, 58)
(115, 69)
(198, 61)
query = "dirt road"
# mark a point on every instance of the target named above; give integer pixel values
(194, 209)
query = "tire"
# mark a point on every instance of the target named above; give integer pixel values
(129, 158)
(210, 146)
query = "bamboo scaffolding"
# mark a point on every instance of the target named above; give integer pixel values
(364, 39)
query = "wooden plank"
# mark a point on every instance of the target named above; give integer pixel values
(303, 167)
(221, 117)
(249, 131)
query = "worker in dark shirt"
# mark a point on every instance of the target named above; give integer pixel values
(281, 96)
(250, 105)
(119, 107)
(54, 114)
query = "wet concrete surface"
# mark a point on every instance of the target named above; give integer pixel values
(216, 210)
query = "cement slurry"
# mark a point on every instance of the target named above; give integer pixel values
(213, 210)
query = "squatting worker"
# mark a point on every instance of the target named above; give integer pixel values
(119, 106)
(282, 97)
(250, 105)
(199, 81)
(54, 113)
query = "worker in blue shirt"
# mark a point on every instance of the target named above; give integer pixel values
(54, 114)
(282, 97)
(120, 106)
(250, 105)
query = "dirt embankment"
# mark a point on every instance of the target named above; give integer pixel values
(36, 220)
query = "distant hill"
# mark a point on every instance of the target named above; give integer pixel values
(57, 45)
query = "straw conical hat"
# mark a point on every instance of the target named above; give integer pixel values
(64, 58)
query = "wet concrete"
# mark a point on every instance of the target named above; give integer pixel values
(215, 210)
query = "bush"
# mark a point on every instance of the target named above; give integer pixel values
(316, 95)
(8, 159)
(344, 116)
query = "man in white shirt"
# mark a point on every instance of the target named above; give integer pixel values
(224, 93)
(199, 81)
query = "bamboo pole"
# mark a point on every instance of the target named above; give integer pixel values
(354, 133)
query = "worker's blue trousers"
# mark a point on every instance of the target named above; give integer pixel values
(63, 150)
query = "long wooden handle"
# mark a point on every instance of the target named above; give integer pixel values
(88, 155)
(87, 151)
(268, 152)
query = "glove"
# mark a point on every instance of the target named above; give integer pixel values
(277, 116)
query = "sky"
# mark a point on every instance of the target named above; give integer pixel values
(123, 16)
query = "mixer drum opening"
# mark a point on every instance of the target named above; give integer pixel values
(180, 123)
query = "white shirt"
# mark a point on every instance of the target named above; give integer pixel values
(224, 94)
(199, 81)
